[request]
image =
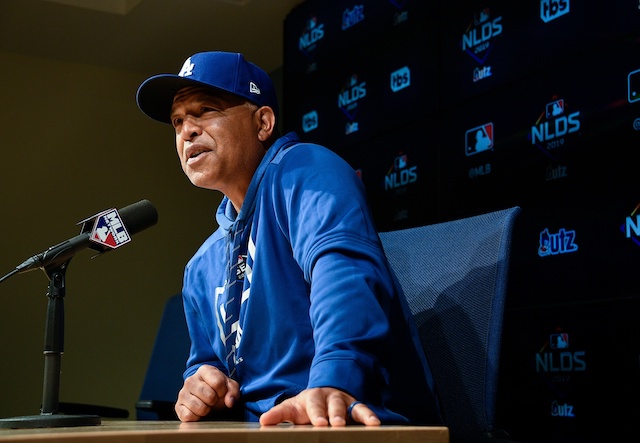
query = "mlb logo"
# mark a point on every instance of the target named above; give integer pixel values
(555, 108)
(479, 139)
(108, 230)
(559, 341)
(633, 86)
(400, 162)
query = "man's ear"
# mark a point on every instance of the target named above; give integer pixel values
(267, 121)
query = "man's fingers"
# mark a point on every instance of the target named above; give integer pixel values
(189, 407)
(360, 413)
(320, 407)
(336, 410)
(215, 388)
(316, 410)
(185, 414)
(278, 414)
(293, 411)
(206, 390)
(232, 394)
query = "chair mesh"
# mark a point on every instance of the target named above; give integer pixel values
(454, 275)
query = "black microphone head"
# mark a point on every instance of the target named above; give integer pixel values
(138, 216)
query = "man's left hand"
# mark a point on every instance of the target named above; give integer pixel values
(320, 407)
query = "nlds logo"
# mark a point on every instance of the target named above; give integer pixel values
(477, 39)
(552, 9)
(108, 230)
(349, 96)
(313, 33)
(400, 174)
(557, 363)
(400, 79)
(553, 125)
(631, 226)
(556, 356)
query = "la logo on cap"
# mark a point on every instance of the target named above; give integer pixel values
(187, 68)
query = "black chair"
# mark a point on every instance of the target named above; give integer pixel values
(168, 361)
(454, 275)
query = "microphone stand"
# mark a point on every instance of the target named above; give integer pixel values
(53, 349)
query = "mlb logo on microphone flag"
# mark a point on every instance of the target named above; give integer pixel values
(108, 230)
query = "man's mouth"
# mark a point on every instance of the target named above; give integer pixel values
(193, 153)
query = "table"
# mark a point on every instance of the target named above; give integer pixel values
(131, 431)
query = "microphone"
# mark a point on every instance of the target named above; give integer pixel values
(102, 232)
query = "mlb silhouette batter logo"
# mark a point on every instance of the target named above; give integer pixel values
(479, 139)
(108, 230)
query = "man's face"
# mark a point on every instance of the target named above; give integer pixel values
(216, 139)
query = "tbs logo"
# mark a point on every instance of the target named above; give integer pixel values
(310, 121)
(552, 9)
(400, 79)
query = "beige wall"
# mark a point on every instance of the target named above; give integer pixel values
(72, 143)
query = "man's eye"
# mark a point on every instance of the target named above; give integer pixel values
(176, 122)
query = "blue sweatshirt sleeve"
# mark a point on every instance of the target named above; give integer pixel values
(335, 243)
(201, 277)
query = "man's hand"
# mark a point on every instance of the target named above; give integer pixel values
(320, 407)
(206, 390)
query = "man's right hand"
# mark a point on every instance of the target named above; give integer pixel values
(206, 390)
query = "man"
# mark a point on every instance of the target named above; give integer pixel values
(292, 309)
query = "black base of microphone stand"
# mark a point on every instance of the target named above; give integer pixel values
(49, 421)
(53, 349)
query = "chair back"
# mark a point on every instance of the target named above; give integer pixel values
(454, 276)
(168, 360)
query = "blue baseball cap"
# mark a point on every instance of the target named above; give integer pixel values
(227, 71)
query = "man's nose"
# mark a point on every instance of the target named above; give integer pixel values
(190, 128)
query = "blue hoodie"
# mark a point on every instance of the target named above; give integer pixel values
(295, 292)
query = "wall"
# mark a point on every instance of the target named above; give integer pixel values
(450, 109)
(74, 143)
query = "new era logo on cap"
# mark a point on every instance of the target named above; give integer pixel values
(253, 88)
